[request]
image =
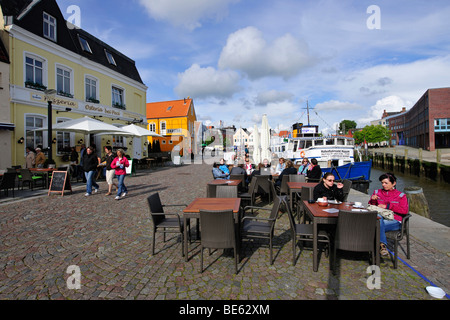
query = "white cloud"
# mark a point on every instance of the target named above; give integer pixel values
(247, 50)
(187, 13)
(200, 83)
(334, 105)
(263, 98)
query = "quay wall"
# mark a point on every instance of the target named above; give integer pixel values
(435, 166)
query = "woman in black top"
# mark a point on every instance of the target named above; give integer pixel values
(90, 164)
(314, 173)
(289, 169)
(328, 190)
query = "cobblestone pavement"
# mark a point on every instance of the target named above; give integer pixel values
(110, 241)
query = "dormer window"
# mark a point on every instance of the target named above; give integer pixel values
(110, 58)
(49, 27)
(169, 108)
(84, 44)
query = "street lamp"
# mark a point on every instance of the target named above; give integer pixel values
(49, 95)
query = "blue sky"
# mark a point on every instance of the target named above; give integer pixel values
(239, 59)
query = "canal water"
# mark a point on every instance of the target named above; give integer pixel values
(436, 193)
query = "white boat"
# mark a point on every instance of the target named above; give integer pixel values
(329, 151)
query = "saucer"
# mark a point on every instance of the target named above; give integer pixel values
(359, 207)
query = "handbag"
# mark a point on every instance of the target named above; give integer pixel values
(385, 213)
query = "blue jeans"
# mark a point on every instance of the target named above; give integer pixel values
(90, 181)
(122, 188)
(388, 225)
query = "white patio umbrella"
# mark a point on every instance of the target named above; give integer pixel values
(265, 139)
(256, 147)
(139, 131)
(86, 125)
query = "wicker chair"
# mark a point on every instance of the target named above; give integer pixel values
(304, 232)
(262, 184)
(283, 188)
(218, 232)
(297, 178)
(25, 176)
(397, 236)
(306, 194)
(347, 186)
(243, 186)
(259, 227)
(211, 188)
(355, 231)
(249, 197)
(161, 221)
(225, 191)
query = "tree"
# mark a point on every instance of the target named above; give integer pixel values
(346, 125)
(372, 134)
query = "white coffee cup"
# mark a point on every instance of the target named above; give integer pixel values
(320, 199)
(358, 204)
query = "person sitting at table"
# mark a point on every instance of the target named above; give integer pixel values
(238, 169)
(303, 169)
(314, 172)
(327, 190)
(30, 159)
(289, 169)
(217, 173)
(223, 166)
(264, 164)
(248, 166)
(280, 166)
(389, 198)
(40, 158)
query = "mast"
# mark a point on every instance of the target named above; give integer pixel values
(307, 109)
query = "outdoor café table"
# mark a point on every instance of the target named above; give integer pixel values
(319, 216)
(43, 171)
(295, 187)
(193, 211)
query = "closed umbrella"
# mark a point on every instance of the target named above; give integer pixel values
(265, 139)
(256, 147)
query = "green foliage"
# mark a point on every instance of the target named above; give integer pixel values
(346, 125)
(372, 134)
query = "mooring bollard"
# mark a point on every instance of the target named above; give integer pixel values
(417, 201)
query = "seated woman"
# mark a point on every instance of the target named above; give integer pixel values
(314, 172)
(389, 198)
(289, 169)
(248, 166)
(224, 167)
(304, 167)
(327, 190)
(219, 174)
(280, 166)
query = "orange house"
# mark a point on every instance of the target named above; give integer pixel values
(174, 120)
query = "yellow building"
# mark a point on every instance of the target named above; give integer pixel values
(90, 77)
(174, 120)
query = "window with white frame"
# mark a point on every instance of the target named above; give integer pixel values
(34, 138)
(49, 27)
(162, 127)
(117, 98)
(63, 139)
(63, 80)
(34, 70)
(118, 141)
(91, 89)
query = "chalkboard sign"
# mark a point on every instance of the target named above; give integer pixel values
(60, 182)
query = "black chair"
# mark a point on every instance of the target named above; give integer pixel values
(260, 227)
(243, 186)
(263, 185)
(397, 236)
(283, 188)
(306, 194)
(304, 232)
(218, 232)
(25, 176)
(249, 197)
(225, 191)
(161, 221)
(8, 182)
(355, 231)
(347, 186)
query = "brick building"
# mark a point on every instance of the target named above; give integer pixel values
(426, 125)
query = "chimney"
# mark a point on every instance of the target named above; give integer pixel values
(403, 109)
